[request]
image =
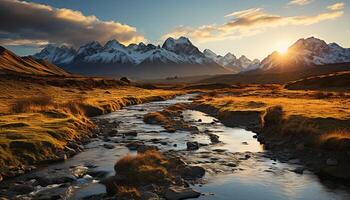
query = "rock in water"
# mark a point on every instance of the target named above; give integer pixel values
(108, 146)
(192, 146)
(79, 171)
(149, 196)
(192, 172)
(178, 193)
(22, 189)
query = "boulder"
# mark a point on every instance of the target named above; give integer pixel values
(130, 133)
(112, 133)
(22, 189)
(98, 173)
(192, 172)
(178, 193)
(79, 171)
(214, 138)
(134, 145)
(144, 148)
(109, 146)
(191, 146)
(61, 156)
(149, 196)
(294, 161)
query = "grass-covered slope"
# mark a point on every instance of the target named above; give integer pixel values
(38, 120)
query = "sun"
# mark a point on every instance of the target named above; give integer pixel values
(283, 49)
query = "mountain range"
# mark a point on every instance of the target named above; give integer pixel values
(179, 57)
(176, 57)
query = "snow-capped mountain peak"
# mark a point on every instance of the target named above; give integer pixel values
(114, 44)
(59, 55)
(90, 48)
(230, 56)
(229, 61)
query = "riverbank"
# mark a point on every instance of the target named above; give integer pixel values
(298, 126)
(42, 123)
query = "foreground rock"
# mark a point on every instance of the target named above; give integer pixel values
(178, 193)
(191, 146)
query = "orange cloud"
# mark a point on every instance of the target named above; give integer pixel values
(336, 6)
(24, 21)
(247, 22)
(300, 2)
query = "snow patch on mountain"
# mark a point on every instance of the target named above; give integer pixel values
(231, 62)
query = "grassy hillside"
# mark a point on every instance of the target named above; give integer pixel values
(37, 120)
(11, 63)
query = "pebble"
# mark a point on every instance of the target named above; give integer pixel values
(108, 146)
(332, 162)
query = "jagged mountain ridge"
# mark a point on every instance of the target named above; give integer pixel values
(173, 51)
(117, 59)
(231, 62)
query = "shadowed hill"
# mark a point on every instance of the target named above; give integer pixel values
(337, 81)
(265, 77)
(11, 63)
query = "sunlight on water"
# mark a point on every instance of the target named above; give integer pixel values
(234, 139)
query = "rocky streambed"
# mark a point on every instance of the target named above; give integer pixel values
(229, 162)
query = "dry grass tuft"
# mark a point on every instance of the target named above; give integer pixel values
(155, 118)
(126, 193)
(335, 140)
(149, 167)
(273, 116)
(31, 103)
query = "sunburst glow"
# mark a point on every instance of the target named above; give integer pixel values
(283, 49)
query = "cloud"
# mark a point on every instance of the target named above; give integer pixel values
(23, 42)
(25, 22)
(336, 6)
(247, 22)
(299, 2)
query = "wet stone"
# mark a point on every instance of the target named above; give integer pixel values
(178, 193)
(109, 146)
(191, 146)
(22, 189)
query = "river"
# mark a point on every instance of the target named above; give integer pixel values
(258, 177)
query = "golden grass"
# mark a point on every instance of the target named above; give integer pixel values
(48, 117)
(304, 106)
(335, 140)
(149, 167)
(339, 134)
(126, 192)
(311, 117)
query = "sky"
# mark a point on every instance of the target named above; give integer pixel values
(254, 28)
